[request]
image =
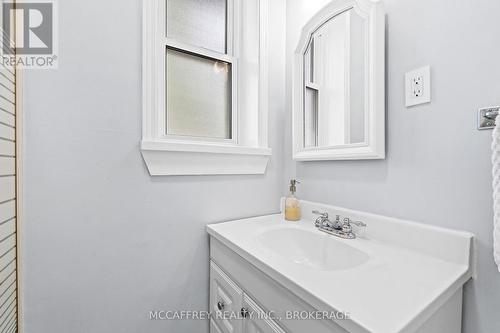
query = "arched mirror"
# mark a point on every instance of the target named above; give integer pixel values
(339, 95)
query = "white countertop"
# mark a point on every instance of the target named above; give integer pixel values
(392, 292)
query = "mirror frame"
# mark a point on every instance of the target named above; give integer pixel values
(374, 145)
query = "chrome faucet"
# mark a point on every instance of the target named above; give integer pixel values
(324, 221)
(336, 228)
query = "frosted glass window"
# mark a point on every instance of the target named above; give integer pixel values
(198, 96)
(198, 22)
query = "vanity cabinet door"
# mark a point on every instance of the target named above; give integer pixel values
(255, 320)
(213, 327)
(225, 302)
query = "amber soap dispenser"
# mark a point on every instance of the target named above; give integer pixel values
(292, 203)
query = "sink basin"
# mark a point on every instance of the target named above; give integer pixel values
(312, 249)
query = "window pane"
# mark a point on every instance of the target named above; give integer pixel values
(198, 22)
(309, 62)
(198, 96)
(311, 118)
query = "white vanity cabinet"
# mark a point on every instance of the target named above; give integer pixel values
(400, 277)
(235, 311)
(225, 297)
(256, 323)
(236, 285)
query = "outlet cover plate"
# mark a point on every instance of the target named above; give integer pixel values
(418, 86)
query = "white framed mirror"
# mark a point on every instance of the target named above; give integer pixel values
(339, 83)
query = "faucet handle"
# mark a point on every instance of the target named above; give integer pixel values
(348, 221)
(347, 226)
(323, 217)
(317, 212)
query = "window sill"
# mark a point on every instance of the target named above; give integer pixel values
(186, 158)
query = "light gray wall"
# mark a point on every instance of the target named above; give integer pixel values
(438, 167)
(103, 242)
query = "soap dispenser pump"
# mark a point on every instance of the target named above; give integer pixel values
(292, 203)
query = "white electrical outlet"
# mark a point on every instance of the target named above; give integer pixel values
(418, 86)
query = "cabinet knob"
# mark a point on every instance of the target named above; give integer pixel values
(220, 305)
(244, 312)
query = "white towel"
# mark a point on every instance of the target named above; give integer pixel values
(496, 192)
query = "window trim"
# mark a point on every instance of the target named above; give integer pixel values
(175, 155)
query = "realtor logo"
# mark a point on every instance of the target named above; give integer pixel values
(29, 34)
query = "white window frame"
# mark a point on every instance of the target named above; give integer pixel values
(167, 154)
